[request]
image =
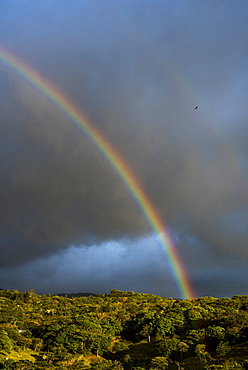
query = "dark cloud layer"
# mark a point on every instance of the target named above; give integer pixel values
(137, 69)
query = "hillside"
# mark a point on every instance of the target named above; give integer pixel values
(122, 331)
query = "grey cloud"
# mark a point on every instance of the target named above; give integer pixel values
(98, 269)
(137, 69)
(139, 265)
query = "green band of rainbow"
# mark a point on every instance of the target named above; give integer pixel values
(113, 158)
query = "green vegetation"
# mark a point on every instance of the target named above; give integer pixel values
(122, 331)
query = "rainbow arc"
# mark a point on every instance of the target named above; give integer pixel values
(111, 155)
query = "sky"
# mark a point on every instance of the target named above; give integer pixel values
(136, 69)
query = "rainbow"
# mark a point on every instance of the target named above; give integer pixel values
(112, 157)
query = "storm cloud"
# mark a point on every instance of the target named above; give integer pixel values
(136, 69)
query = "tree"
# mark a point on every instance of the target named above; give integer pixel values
(222, 348)
(202, 355)
(182, 347)
(164, 326)
(166, 346)
(194, 337)
(214, 334)
(5, 341)
(143, 324)
(159, 363)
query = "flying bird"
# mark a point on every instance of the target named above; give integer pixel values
(196, 107)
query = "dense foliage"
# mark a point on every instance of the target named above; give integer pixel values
(122, 331)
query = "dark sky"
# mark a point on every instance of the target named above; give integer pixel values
(137, 69)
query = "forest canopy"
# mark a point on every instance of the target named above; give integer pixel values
(122, 331)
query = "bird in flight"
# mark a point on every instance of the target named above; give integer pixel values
(196, 107)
